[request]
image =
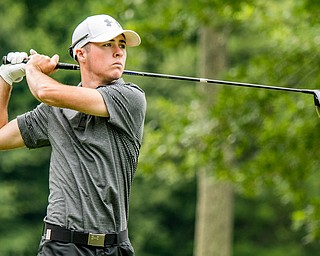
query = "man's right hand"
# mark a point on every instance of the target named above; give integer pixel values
(14, 72)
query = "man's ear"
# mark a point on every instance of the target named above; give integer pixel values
(81, 54)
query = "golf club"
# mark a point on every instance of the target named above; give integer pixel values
(315, 93)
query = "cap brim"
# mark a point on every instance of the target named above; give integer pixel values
(132, 38)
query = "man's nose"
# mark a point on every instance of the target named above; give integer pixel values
(118, 52)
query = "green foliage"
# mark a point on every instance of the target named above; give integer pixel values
(23, 197)
(262, 227)
(272, 135)
(163, 218)
(260, 140)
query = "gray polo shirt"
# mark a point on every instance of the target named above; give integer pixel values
(93, 159)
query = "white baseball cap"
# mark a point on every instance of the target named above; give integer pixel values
(100, 28)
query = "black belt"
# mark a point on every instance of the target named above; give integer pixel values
(60, 234)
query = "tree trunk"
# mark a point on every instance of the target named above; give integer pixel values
(214, 220)
(214, 217)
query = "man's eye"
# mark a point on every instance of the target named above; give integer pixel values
(122, 46)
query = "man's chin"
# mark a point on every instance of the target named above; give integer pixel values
(112, 78)
(117, 73)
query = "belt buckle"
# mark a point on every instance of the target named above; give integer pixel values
(96, 240)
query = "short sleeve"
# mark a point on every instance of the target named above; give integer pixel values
(33, 126)
(126, 104)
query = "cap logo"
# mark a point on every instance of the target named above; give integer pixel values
(109, 23)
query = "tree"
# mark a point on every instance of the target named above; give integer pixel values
(215, 199)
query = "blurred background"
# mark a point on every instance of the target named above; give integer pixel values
(223, 170)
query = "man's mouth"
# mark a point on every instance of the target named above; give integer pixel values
(117, 64)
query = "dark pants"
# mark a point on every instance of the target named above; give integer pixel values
(53, 248)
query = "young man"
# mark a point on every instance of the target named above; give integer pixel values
(95, 132)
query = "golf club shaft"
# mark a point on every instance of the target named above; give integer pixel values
(214, 81)
(68, 66)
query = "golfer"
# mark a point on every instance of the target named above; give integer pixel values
(95, 132)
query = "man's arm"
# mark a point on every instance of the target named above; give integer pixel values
(53, 93)
(10, 136)
(5, 92)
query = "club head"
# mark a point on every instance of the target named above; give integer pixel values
(316, 94)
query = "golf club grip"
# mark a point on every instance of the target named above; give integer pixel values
(60, 65)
